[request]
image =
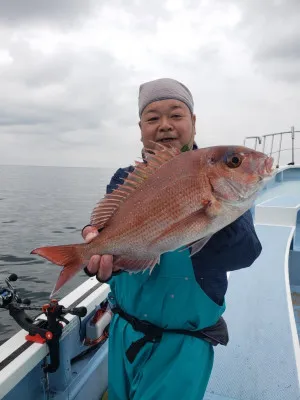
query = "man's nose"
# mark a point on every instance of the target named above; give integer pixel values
(165, 125)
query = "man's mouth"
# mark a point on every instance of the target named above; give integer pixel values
(166, 140)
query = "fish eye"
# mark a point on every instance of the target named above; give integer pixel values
(234, 161)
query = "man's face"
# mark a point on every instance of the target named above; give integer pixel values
(167, 122)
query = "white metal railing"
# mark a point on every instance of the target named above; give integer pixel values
(274, 144)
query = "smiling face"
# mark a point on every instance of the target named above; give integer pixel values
(167, 122)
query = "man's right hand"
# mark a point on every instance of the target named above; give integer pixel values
(102, 266)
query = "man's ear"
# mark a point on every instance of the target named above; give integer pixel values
(140, 125)
(194, 123)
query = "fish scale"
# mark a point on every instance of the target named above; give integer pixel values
(173, 200)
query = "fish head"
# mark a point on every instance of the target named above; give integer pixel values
(236, 174)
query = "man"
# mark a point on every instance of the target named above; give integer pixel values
(146, 361)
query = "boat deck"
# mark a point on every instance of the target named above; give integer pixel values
(262, 359)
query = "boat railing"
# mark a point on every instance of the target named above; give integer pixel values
(275, 144)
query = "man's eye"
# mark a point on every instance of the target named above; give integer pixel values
(153, 119)
(176, 116)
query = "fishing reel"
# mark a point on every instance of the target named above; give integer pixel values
(9, 294)
(39, 330)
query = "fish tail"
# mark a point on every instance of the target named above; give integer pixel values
(70, 257)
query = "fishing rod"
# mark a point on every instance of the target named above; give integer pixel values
(39, 331)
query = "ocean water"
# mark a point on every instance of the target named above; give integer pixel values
(42, 206)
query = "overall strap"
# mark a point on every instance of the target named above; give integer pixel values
(215, 334)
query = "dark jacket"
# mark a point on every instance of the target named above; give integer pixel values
(234, 247)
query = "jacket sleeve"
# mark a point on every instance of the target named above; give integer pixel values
(234, 247)
(118, 178)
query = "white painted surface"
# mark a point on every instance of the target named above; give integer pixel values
(20, 366)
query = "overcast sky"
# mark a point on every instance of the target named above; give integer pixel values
(70, 72)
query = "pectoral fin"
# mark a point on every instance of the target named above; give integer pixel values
(212, 207)
(198, 245)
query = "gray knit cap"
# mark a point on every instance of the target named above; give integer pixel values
(164, 89)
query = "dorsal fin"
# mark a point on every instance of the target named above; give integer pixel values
(106, 207)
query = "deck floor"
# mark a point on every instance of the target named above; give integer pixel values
(282, 189)
(259, 361)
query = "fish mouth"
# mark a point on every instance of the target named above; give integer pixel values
(266, 168)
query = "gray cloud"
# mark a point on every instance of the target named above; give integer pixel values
(286, 48)
(271, 31)
(34, 69)
(65, 14)
(60, 92)
(66, 97)
(69, 97)
(146, 13)
(18, 12)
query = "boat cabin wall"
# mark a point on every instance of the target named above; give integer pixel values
(288, 174)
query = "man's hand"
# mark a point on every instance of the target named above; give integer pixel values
(102, 266)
